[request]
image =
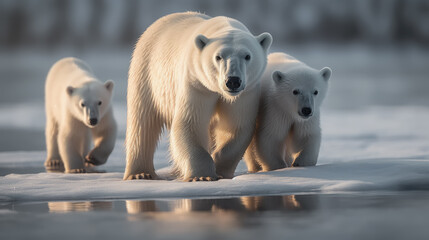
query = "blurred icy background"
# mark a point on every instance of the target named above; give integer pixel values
(378, 50)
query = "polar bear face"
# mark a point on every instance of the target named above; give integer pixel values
(90, 102)
(233, 62)
(301, 90)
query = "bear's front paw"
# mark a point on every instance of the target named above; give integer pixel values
(94, 160)
(140, 176)
(77, 170)
(201, 179)
(53, 164)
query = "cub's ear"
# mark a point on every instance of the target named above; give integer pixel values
(265, 40)
(109, 85)
(70, 90)
(278, 77)
(201, 41)
(326, 73)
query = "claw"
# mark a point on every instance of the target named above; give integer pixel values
(140, 176)
(77, 170)
(203, 179)
(53, 163)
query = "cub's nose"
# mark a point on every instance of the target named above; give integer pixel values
(93, 121)
(233, 83)
(306, 111)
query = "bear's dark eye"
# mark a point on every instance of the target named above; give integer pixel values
(218, 58)
(295, 92)
(316, 92)
(99, 103)
(247, 57)
(82, 104)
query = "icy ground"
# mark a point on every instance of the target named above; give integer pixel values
(377, 149)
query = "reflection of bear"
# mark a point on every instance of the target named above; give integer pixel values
(287, 203)
(135, 206)
(185, 214)
(222, 205)
(288, 125)
(209, 205)
(78, 206)
(78, 106)
(189, 71)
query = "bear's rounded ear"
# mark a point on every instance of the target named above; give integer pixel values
(265, 40)
(109, 85)
(70, 90)
(201, 41)
(326, 73)
(278, 77)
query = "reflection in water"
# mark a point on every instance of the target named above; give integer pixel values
(331, 216)
(209, 205)
(203, 212)
(189, 213)
(290, 202)
(188, 207)
(236, 205)
(134, 207)
(63, 207)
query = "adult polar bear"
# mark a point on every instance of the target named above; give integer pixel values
(199, 77)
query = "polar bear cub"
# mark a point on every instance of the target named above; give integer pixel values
(198, 77)
(288, 126)
(78, 107)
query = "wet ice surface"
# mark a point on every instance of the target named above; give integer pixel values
(372, 178)
(316, 216)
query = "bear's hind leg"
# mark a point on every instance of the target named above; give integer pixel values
(53, 159)
(250, 159)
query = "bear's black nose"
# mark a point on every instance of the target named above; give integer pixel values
(233, 83)
(306, 111)
(93, 121)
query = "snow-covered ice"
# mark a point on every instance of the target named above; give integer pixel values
(372, 149)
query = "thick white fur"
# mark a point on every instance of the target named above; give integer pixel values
(283, 137)
(69, 84)
(176, 82)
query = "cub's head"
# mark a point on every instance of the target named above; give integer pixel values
(302, 90)
(90, 102)
(232, 62)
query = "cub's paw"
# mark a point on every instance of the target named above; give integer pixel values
(76, 170)
(146, 176)
(53, 163)
(94, 160)
(203, 179)
(89, 165)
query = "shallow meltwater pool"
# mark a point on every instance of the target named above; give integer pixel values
(372, 215)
